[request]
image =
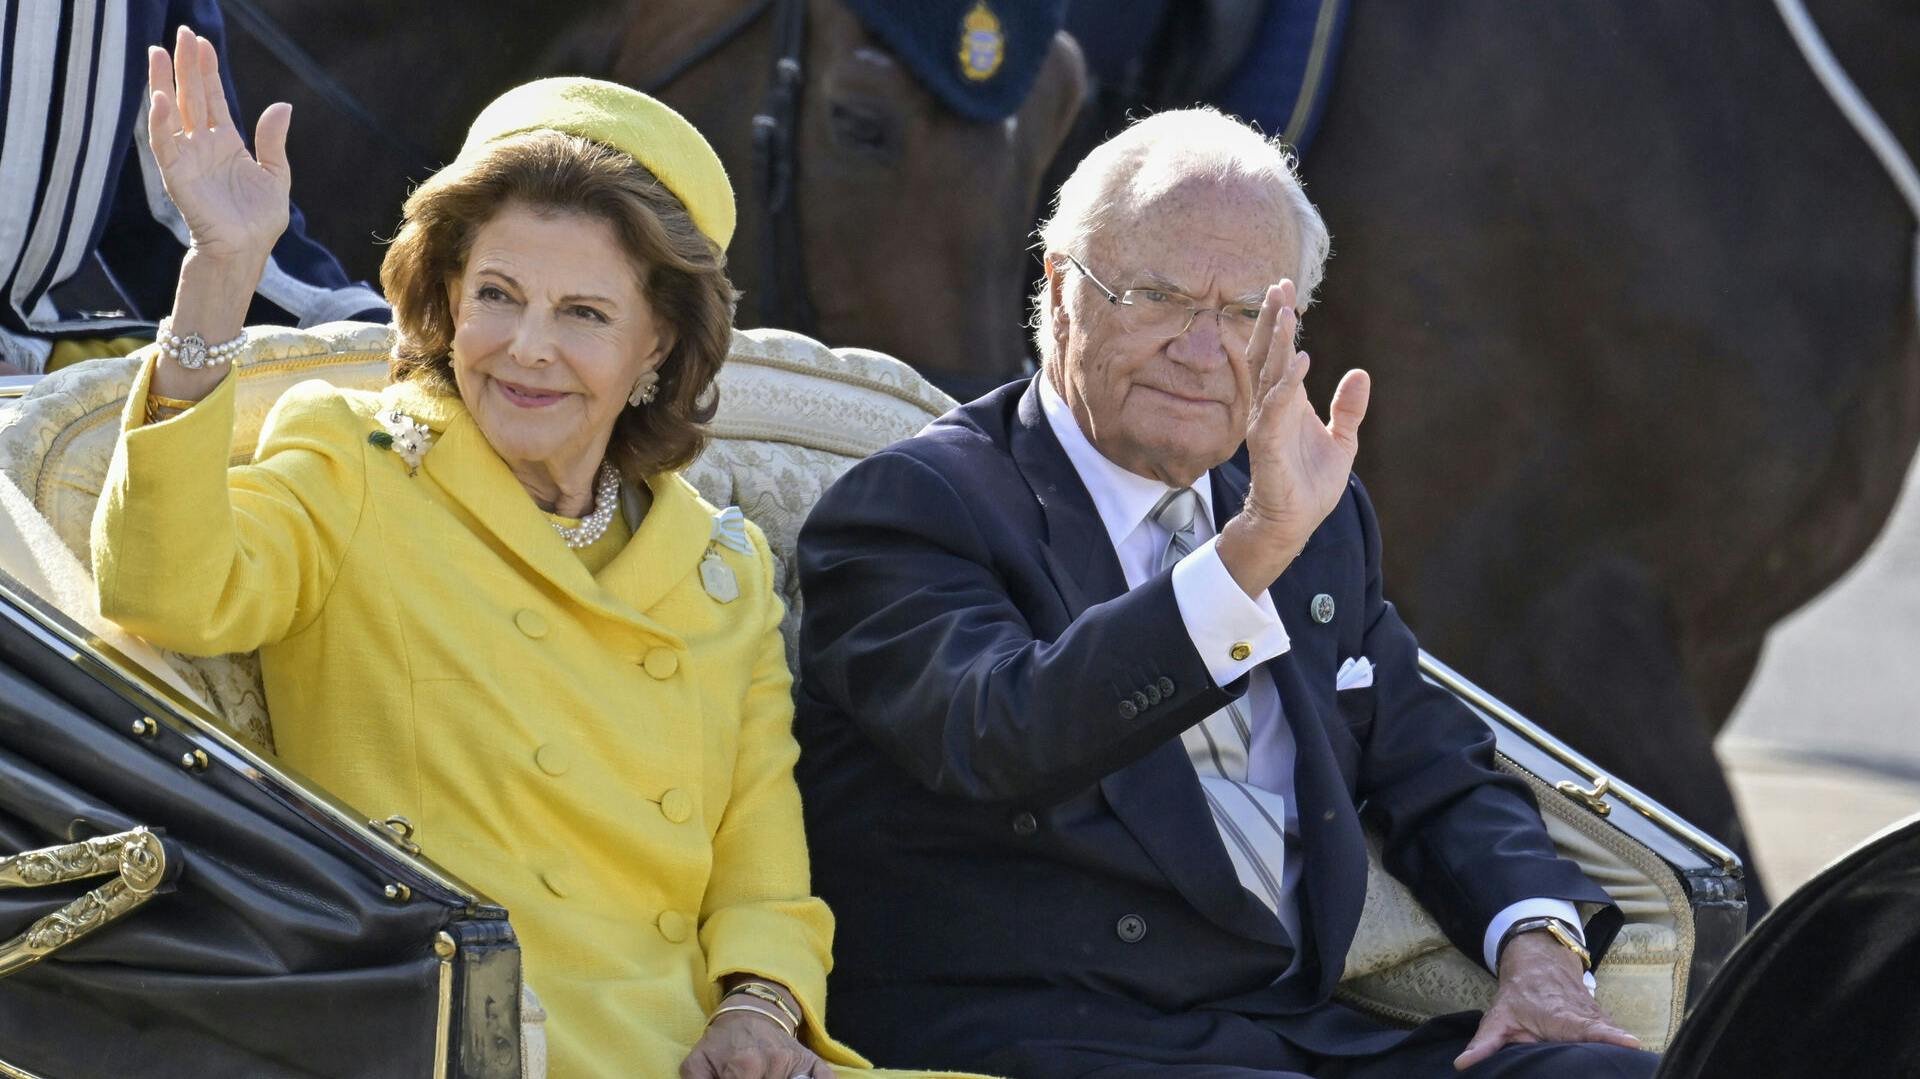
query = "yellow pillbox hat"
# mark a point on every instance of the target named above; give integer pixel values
(629, 121)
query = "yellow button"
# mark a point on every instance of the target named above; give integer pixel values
(661, 663)
(1240, 650)
(555, 881)
(552, 759)
(531, 624)
(676, 805)
(673, 926)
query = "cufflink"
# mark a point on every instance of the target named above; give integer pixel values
(1240, 651)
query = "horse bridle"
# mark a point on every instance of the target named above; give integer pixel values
(783, 299)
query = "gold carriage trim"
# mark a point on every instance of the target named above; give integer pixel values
(138, 859)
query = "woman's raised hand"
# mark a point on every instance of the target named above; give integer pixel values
(235, 205)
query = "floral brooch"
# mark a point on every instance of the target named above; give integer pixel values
(404, 435)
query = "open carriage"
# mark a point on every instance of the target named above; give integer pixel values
(175, 902)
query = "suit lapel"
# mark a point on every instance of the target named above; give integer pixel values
(1079, 556)
(1333, 874)
(1158, 797)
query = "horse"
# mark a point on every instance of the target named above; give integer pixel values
(853, 227)
(1639, 306)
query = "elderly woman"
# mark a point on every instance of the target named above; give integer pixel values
(482, 597)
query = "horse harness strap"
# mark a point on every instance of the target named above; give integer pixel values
(783, 301)
(783, 290)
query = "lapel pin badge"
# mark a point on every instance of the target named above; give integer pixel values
(1321, 608)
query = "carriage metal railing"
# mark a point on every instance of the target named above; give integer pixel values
(1601, 785)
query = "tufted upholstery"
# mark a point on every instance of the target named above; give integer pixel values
(793, 416)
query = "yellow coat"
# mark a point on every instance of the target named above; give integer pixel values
(609, 756)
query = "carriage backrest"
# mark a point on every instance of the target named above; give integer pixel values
(793, 416)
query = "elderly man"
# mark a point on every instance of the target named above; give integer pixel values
(1092, 707)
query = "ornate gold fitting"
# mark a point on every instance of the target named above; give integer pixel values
(1594, 798)
(138, 859)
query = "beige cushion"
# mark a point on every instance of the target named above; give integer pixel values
(56, 444)
(1402, 967)
(793, 416)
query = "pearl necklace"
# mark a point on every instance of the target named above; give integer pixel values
(606, 499)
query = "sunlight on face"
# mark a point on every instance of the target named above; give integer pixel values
(1171, 408)
(550, 333)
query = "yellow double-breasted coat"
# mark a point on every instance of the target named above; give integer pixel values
(609, 755)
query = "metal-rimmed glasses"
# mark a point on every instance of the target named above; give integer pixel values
(1169, 314)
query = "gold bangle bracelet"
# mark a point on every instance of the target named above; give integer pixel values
(154, 400)
(761, 1012)
(765, 991)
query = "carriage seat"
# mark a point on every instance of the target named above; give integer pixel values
(793, 416)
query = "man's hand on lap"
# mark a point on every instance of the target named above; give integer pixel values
(1541, 998)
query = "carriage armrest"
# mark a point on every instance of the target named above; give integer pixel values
(1679, 890)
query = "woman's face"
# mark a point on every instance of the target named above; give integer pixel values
(550, 332)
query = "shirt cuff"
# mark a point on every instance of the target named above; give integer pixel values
(1233, 632)
(1532, 908)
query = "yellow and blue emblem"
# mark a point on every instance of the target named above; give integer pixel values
(983, 45)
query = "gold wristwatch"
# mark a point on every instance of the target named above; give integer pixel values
(1557, 928)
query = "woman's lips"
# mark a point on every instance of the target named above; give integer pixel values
(526, 396)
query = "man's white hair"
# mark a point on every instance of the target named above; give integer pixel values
(1154, 152)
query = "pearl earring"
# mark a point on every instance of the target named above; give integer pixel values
(645, 389)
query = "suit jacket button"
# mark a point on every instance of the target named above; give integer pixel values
(1127, 710)
(530, 623)
(672, 925)
(1165, 686)
(1024, 824)
(1153, 693)
(1140, 700)
(552, 759)
(660, 662)
(1131, 928)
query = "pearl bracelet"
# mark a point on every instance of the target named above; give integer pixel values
(192, 351)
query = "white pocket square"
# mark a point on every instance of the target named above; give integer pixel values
(1356, 673)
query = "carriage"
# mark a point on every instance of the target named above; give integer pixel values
(174, 901)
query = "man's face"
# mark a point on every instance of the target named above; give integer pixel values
(1170, 408)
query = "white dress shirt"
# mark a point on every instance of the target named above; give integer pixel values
(1218, 614)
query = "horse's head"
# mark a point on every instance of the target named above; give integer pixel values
(912, 220)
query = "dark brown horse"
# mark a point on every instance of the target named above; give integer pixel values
(910, 219)
(1639, 307)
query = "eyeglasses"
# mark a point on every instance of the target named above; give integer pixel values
(1169, 314)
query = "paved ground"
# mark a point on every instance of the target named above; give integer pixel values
(1824, 750)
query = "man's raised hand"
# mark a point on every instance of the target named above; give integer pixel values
(1299, 465)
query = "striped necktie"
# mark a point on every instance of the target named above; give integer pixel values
(1251, 819)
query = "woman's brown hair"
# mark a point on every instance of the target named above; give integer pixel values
(682, 275)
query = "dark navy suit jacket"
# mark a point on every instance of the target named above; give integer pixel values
(1011, 842)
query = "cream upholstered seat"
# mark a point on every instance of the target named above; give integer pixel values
(793, 416)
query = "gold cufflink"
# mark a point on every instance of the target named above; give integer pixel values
(1240, 650)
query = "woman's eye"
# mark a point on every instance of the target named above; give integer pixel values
(591, 314)
(490, 293)
(1244, 313)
